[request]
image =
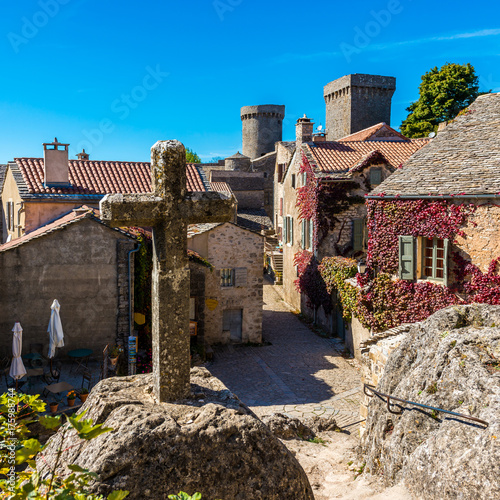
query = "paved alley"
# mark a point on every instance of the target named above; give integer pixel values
(299, 374)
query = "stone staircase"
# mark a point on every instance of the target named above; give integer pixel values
(275, 258)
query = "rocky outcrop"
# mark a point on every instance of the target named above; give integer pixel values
(286, 427)
(209, 443)
(450, 361)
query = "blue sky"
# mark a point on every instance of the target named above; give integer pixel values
(115, 77)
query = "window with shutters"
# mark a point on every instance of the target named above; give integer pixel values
(226, 277)
(375, 176)
(304, 178)
(359, 235)
(288, 230)
(434, 259)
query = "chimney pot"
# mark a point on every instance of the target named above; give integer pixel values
(83, 155)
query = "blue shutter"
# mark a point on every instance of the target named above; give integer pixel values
(291, 231)
(406, 257)
(285, 229)
(304, 243)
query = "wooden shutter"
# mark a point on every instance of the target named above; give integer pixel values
(281, 206)
(240, 276)
(304, 243)
(445, 261)
(406, 257)
(285, 230)
(357, 234)
(291, 230)
(311, 234)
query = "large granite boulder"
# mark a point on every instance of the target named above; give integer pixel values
(209, 443)
(450, 361)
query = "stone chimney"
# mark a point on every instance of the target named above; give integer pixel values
(83, 155)
(55, 164)
(304, 130)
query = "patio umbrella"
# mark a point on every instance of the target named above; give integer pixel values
(55, 329)
(17, 369)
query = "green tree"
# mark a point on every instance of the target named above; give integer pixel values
(444, 92)
(192, 157)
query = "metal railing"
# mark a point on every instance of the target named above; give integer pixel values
(388, 397)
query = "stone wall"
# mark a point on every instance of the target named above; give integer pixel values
(374, 355)
(267, 164)
(84, 267)
(482, 236)
(355, 102)
(229, 246)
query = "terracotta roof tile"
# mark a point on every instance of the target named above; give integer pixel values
(380, 131)
(344, 157)
(100, 177)
(75, 215)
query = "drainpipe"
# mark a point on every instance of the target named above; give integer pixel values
(21, 209)
(130, 289)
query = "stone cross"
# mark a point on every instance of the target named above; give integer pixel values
(168, 210)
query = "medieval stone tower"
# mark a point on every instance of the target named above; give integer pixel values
(355, 102)
(262, 128)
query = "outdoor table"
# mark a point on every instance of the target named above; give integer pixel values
(56, 389)
(34, 359)
(80, 357)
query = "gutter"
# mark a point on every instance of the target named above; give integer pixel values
(433, 196)
(130, 289)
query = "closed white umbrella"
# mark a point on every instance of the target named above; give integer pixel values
(17, 369)
(55, 329)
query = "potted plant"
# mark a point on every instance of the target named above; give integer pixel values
(71, 398)
(84, 392)
(114, 354)
(53, 406)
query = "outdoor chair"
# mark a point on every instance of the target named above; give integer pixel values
(11, 383)
(86, 381)
(54, 373)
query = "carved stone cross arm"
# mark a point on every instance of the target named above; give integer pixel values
(122, 210)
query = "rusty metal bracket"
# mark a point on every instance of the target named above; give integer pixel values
(388, 397)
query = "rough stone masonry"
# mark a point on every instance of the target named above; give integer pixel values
(168, 210)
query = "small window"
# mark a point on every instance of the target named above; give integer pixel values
(293, 180)
(226, 277)
(435, 259)
(307, 234)
(375, 176)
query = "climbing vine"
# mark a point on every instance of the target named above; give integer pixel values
(310, 282)
(335, 271)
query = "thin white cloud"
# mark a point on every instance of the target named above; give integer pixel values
(286, 58)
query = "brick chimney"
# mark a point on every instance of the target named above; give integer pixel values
(304, 130)
(83, 155)
(55, 164)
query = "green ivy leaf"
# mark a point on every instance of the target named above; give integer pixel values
(118, 495)
(50, 422)
(29, 449)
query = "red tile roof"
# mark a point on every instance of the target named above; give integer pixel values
(380, 131)
(100, 177)
(75, 215)
(345, 157)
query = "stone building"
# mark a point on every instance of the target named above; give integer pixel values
(441, 217)
(36, 191)
(227, 300)
(81, 262)
(348, 168)
(355, 102)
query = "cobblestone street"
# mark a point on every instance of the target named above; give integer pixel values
(299, 374)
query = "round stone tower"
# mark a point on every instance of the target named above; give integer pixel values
(238, 162)
(262, 128)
